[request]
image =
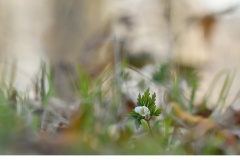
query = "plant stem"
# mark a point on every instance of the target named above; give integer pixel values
(149, 127)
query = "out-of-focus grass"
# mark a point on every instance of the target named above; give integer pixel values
(10, 124)
(90, 132)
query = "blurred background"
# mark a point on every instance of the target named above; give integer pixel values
(98, 55)
(194, 33)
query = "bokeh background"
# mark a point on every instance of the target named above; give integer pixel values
(58, 36)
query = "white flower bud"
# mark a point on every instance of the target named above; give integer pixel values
(143, 111)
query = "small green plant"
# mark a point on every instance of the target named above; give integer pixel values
(146, 109)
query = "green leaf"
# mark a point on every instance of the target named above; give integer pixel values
(133, 115)
(137, 123)
(153, 99)
(146, 97)
(139, 100)
(158, 112)
(144, 124)
(130, 118)
(152, 110)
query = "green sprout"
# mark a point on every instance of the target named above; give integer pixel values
(145, 110)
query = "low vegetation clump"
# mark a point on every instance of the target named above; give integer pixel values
(105, 119)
